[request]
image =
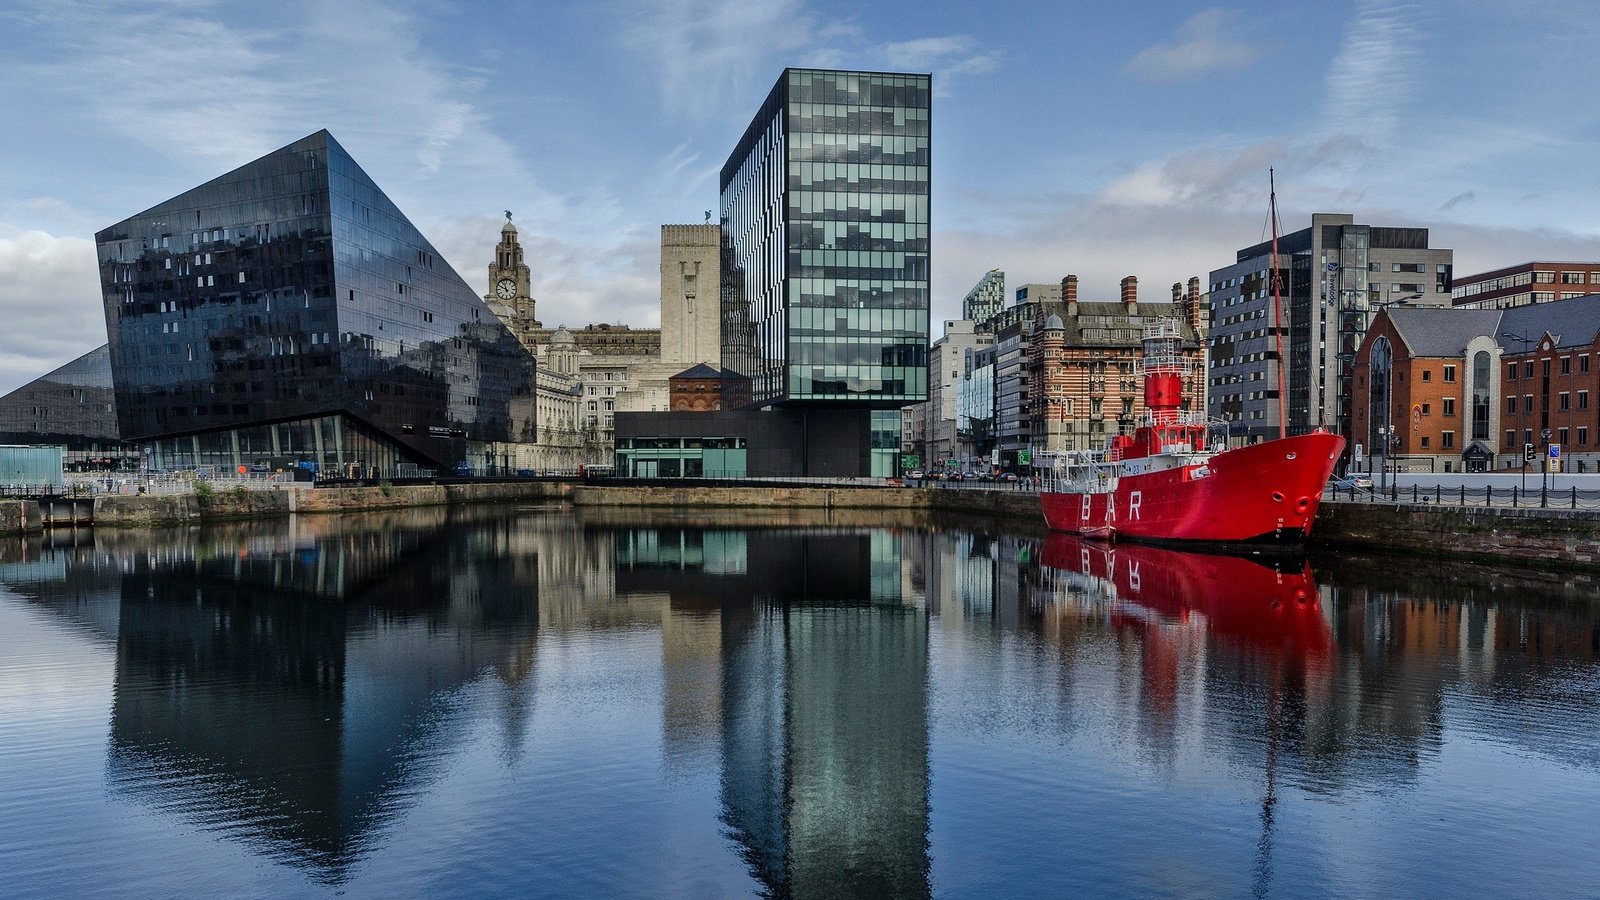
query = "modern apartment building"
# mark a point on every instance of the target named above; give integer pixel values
(1526, 283)
(1333, 277)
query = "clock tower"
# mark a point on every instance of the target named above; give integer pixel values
(510, 294)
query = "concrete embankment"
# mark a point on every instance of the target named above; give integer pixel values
(1521, 536)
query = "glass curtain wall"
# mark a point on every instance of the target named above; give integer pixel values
(825, 206)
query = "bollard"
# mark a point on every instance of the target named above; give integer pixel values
(1574, 496)
(1513, 496)
(1463, 495)
(1544, 496)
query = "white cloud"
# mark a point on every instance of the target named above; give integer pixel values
(1374, 74)
(707, 55)
(49, 302)
(946, 57)
(1208, 42)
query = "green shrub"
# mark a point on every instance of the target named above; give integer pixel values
(203, 489)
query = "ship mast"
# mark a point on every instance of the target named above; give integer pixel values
(1277, 305)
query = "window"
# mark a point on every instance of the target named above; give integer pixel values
(1563, 401)
(1447, 440)
(1511, 438)
(1527, 369)
(1449, 406)
(1572, 278)
(1583, 399)
(1511, 372)
(1424, 442)
(1566, 365)
(1544, 278)
(1561, 435)
(1527, 403)
(1583, 435)
(1450, 374)
(1583, 361)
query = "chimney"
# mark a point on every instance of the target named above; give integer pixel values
(1197, 316)
(1069, 294)
(1130, 294)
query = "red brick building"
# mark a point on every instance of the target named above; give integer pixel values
(1083, 381)
(1453, 390)
(705, 388)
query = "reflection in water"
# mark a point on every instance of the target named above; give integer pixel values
(289, 685)
(861, 700)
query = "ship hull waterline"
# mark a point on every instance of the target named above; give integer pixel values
(1267, 492)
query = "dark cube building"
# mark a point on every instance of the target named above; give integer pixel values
(287, 313)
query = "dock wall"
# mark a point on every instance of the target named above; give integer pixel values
(1535, 537)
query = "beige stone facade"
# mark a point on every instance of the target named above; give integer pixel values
(691, 295)
(587, 375)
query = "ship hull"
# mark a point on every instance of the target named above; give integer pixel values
(1267, 492)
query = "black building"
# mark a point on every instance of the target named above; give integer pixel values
(825, 211)
(287, 313)
(73, 407)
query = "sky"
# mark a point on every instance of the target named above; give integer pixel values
(1095, 138)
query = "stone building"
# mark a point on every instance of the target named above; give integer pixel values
(589, 374)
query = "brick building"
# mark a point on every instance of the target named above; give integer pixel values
(705, 388)
(1083, 385)
(1452, 390)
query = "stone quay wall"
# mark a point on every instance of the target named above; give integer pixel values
(1534, 537)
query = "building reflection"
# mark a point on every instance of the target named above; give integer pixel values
(820, 700)
(296, 684)
(289, 685)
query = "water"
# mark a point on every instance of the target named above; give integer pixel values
(529, 702)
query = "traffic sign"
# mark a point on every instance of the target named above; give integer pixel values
(1529, 452)
(1555, 451)
(1545, 434)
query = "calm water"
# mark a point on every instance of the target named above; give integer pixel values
(528, 703)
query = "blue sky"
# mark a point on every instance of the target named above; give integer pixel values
(1096, 138)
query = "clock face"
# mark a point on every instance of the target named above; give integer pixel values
(506, 289)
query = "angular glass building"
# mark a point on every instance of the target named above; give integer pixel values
(287, 314)
(825, 221)
(73, 407)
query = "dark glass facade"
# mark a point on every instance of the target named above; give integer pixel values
(825, 212)
(291, 292)
(73, 407)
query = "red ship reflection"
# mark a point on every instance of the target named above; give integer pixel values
(1262, 601)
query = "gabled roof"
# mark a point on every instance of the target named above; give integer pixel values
(1573, 322)
(1441, 330)
(701, 370)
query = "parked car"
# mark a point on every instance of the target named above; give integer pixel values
(1008, 476)
(915, 474)
(1355, 482)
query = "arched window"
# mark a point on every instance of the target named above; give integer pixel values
(1480, 395)
(1379, 408)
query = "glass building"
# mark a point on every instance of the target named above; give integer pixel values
(825, 210)
(72, 407)
(288, 314)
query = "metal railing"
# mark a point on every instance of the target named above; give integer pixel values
(1541, 496)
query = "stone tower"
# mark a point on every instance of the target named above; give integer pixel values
(691, 295)
(510, 292)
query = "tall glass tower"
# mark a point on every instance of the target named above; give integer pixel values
(825, 223)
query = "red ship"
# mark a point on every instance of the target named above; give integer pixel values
(1165, 483)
